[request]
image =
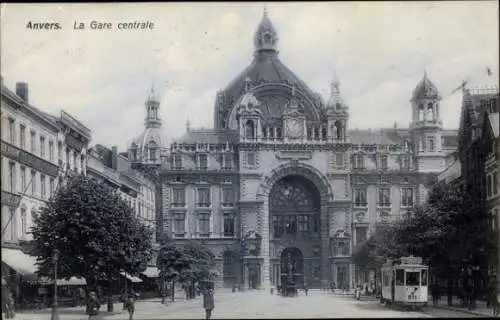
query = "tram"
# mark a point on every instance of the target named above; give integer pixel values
(404, 282)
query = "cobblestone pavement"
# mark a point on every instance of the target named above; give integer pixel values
(256, 305)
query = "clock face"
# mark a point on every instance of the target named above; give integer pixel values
(294, 129)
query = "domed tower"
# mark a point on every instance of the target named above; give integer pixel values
(147, 147)
(266, 37)
(426, 126)
(337, 113)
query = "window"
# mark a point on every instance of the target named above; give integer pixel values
(384, 216)
(204, 225)
(405, 163)
(12, 131)
(23, 179)
(339, 159)
(406, 197)
(360, 197)
(42, 186)
(179, 197)
(67, 156)
(290, 225)
(424, 277)
(278, 226)
(358, 161)
(384, 197)
(75, 161)
(33, 141)
(315, 223)
(51, 186)
(203, 197)
(12, 177)
(22, 136)
(24, 224)
(152, 147)
(227, 197)
(304, 223)
(489, 185)
(177, 162)
(495, 183)
(430, 144)
(250, 158)
(278, 133)
(179, 225)
(228, 162)
(33, 182)
(228, 225)
(42, 146)
(341, 248)
(249, 130)
(412, 278)
(202, 162)
(309, 133)
(361, 234)
(59, 150)
(400, 277)
(82, 163)
(383, 162)
(51, 150)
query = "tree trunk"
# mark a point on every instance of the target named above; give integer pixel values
(110, 295)
(173, 290)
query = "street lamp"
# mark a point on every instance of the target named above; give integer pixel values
(55, 258)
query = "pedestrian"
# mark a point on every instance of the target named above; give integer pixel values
(130, 305)
(94, 305)
(10, 307)
(208, 303)
(305, 288)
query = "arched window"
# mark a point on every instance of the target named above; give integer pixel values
(249, 129)
(339, 129)
(430, 112)
(421, 113)
(152, 150)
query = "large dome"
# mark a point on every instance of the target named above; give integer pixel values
(266, 70)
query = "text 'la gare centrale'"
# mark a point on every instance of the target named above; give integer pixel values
(93, 25)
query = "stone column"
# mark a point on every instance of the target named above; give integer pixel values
(325, 240)
(265, 247)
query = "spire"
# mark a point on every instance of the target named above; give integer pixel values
(266, 37)
(335, 101)
(188, 125)
(335, 84)
(152, 93)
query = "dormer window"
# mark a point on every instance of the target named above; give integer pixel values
(203, 161)
(249, 130)
(268, 38)
(152, 150)
(177, 162)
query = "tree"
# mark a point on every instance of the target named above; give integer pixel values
(171, 262)
(96, 232)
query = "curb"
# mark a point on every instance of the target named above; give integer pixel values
(464, 311)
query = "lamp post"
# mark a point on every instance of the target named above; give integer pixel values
(55, 258)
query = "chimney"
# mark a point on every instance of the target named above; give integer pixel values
(114, 156)
(22, 91)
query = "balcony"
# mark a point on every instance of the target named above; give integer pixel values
(203, 204)
(178, 204)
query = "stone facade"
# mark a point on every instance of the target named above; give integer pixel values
(282, 173)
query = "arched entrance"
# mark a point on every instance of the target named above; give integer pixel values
(292, 266)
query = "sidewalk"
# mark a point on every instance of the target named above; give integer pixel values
(480, 310)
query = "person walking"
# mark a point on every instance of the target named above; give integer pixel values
(10, 307)
(130, 306)
(94, 305)
(208, 303)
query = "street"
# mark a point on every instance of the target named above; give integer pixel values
(257, 305)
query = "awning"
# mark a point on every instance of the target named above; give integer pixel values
(152, 272)
(131, 278)
(21, 262)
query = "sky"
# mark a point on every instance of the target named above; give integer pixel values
(379, 51)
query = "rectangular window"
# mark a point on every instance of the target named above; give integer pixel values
(339, 159)
(291, 225)
(413, 278)
(495, 183)
(75, 161)
(67, 157)
(51, 150)
(12, 177)
(51, 186)
(278, 133)
(309, 133)
(179, 197)
(405, 163)
(406, 197)
(278, 226)
(33, 182)
(430, 144)
(33, 141)
(12, 131)
(22, 136)
(384, 197)
(228, 225)
(179, 225)
(489, 186)
(315, 223)
(360, 197)
(424, 277)
(360, 234)
(304, 223)
(59, 151)
(42, 186)
(400, 277)
(250, 158)
(42, 146)
(228, 162)
(203, 197)
(227, 197)
(23, 179)
(202, 162)
(383, 162)
(358, 161)
(177, 162)
(204, 225)
(342, 248)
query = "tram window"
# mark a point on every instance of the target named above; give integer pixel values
(424, 277)
(412, 278)
(400, 277)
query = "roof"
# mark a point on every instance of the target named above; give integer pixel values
(209, 136)
(425, 89)
(376, 136)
